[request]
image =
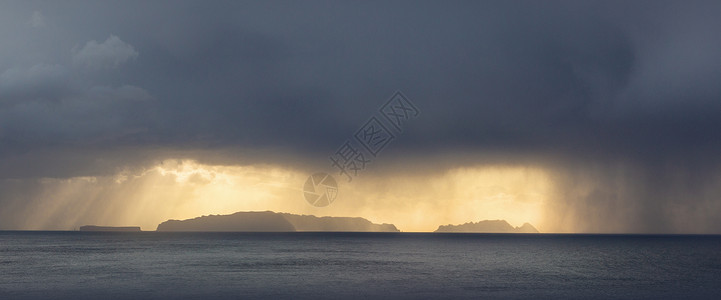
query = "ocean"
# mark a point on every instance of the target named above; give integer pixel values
(157, 265)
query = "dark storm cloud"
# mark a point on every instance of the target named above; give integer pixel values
(576, 86)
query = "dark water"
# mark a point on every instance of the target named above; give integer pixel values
(81, 265)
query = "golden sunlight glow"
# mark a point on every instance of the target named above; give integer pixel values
(421, 203)
(180, 189)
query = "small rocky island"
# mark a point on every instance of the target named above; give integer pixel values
(109, 228)
(268, 221)
(488, 226)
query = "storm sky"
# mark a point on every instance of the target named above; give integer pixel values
(578, 116)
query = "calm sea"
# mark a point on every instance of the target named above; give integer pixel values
(150, 265)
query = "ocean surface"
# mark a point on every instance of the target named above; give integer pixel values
(154, 265)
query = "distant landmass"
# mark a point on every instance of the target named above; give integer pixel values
(268, 221)
(488, 226)
(109, 228)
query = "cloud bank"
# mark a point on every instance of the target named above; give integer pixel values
(616, 102)
(109, 54)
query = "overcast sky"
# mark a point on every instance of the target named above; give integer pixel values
(617, 102)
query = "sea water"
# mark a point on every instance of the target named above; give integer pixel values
(156, 265)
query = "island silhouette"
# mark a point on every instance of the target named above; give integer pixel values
(269, 221)
(488, 226)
